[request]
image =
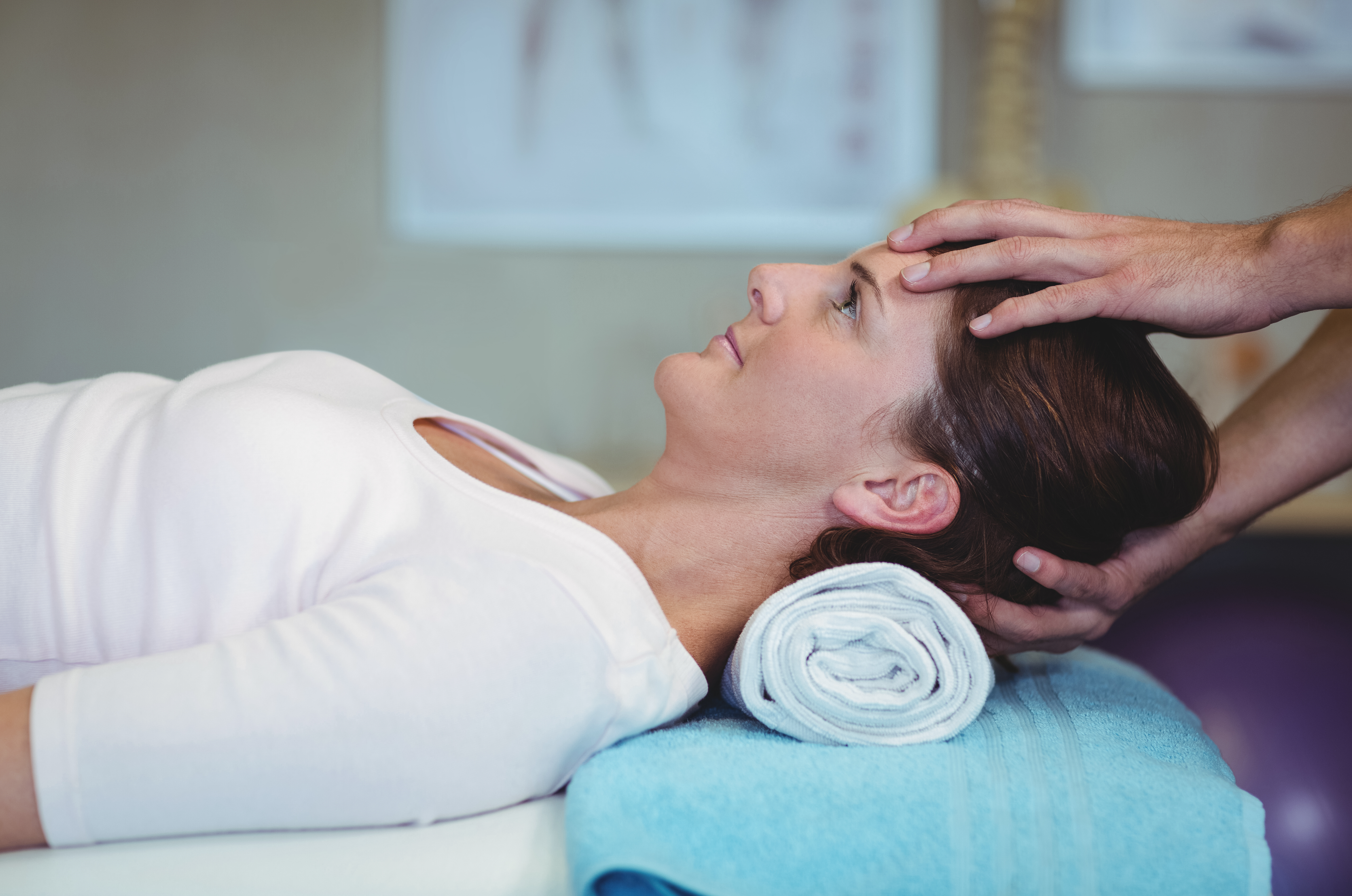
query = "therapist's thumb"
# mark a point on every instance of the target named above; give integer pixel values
(1077, 581)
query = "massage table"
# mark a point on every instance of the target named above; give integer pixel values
(518, 851)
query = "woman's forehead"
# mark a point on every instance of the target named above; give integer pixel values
(885, 265)
(878, 255)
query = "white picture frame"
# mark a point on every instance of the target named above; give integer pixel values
(674, 124)
(1212, 45)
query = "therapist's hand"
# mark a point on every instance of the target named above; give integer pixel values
(1092, 597)
(1197, 279)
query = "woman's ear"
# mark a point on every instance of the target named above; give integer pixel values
(920, 500)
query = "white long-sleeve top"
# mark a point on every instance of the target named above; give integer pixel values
(258, 599)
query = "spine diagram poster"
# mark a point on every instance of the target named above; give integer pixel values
(659, 123)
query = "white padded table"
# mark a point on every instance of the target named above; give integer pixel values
(518, 851)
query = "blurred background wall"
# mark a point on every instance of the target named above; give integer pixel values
(186, 182)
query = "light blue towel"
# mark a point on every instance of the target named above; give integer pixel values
(1081, 776)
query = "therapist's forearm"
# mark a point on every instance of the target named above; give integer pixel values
(1289, 436)
(1306, 256)
(20, 826)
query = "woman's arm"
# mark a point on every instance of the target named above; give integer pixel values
(443, 687)
(1199, 279)
(19, 823)
(1292, 434)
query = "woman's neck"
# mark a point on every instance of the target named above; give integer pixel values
(710, 558)
(711, 555)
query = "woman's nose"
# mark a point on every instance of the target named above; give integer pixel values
(767, 289)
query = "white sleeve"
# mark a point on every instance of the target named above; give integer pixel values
(424, 693)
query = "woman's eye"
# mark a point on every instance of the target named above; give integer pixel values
(850, 307)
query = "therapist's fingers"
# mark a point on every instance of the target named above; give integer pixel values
(1055, 304)
(1007, 627)
(1018, 257)
(991, 219)
(1092, 597)
(1103, 586)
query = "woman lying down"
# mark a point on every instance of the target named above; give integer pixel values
(287, 593)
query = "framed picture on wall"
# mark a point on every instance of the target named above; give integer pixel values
(658, 123)
(1209, 44)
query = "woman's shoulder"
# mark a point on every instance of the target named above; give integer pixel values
(319, 373)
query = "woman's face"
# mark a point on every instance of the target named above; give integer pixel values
(791, 395)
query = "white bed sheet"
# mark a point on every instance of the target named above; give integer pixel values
(518, 851)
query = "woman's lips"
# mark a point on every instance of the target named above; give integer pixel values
(731, 339)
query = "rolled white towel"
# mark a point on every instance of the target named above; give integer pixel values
(868, 653)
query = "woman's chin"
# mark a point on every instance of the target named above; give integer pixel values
(675, 373)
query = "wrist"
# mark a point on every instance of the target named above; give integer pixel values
(1275, 268)
(1303, 260)
(1217, 521)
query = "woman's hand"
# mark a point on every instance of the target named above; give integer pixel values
(1197, 279)
(19, 823)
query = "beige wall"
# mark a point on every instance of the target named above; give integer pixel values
(186, 182)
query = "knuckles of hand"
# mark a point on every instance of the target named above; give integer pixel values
(1017, 250)
(1013, 208)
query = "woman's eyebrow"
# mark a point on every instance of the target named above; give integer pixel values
(866, 275)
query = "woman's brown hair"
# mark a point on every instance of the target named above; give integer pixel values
(1064, 437)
